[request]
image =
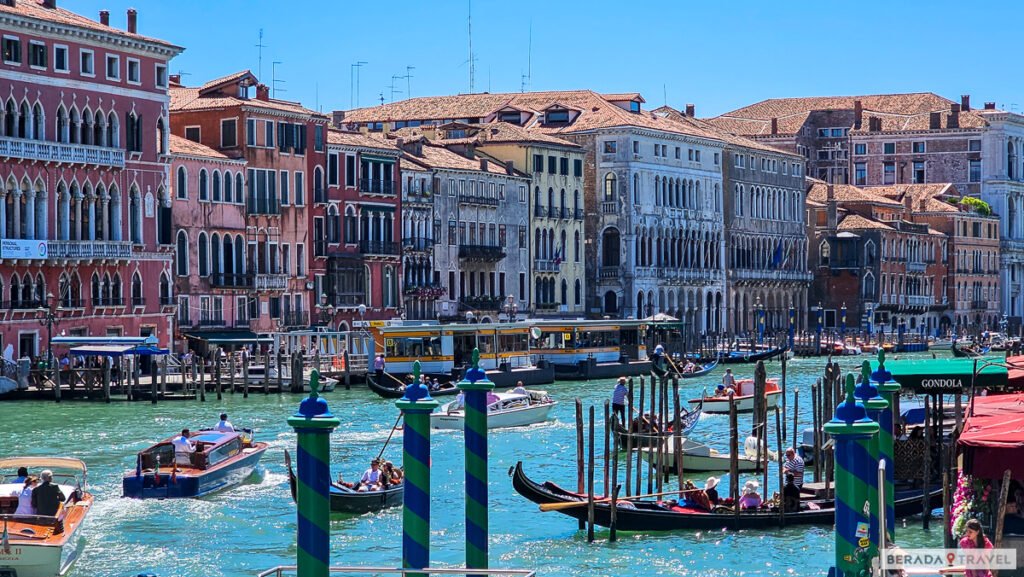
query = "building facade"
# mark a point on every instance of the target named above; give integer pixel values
(84, 202)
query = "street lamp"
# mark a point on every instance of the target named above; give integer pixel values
(326, 311)
(792, 326)
(48, 316)
(842, 320)
(469, 317)
(511, 308)
(871, 320)
(759, 308)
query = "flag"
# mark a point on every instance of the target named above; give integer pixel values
(777, 256)
(789, 254)
(557, 257)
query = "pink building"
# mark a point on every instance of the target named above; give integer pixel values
(213, 286)
(84, 206)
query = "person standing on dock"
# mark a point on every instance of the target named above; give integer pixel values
(794, 465)
(619, 400)
(224, 426)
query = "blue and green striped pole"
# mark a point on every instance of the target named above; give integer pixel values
(416, 405)
(313, 423)
(853, 433)
(888, 388)
(476, 385)
(876, 407)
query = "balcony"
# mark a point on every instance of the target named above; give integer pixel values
(481, 252)
(545, 306)
(566, 213)
(271, 282)
(609, 272)
(544, 265)
(228, 280)
(241, 323)
(295, 319)
(418, 244)
(138, 301)
(770, 275)
(552, 212)
(919, 301)
(108, 302)
(980, 305)
(61, 152)
(167, 301)
(425, 291)
(23, 305)
(539, 210)
(377, 247)
(609, 208)
(477, 199)
(915, 267)
(482, 303)
(376, 186)
(86, 249)
(350, 300)
(212, 322)
(578, 213)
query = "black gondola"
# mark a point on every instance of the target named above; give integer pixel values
(970, 353)
(345, 500)
(653, 516)
(447, 388)
(740, 357)
(674, 370)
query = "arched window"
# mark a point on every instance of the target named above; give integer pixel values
(165, 290)
(135, 216)
(565, 292)
(318, 185)
(351, 226)
(204, 258)
(137, 299)
(576, 247)
(824, 253)
(38, 122)
(577, 293)
(116, 292)
(95, 291)
(868, 286)
(181, 254)
(203, 185)
(609, 187)
(610, 247)
(181, 186)
(228, 181)
(216, 186)
(239, 187)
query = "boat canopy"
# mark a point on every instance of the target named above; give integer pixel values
(993, 437)
(229, 337)
(947, 376)
(112, 340)
(116, 350)
(43, 463)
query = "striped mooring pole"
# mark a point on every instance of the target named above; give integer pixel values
(875, 406)
(886, 438)
(416, 405)
(853, 433)
(314, 424)
(476, 385)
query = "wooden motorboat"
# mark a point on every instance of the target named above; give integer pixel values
(221, 460)
(645, 430)
(351, 502)
(263, 375)
(640, 515)
(42, 545)
(744, 398)
(698, 457)
(396, 391)
(508, 410)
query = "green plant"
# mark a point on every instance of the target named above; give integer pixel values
(976, 205)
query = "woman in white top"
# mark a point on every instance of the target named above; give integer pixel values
(25, 497)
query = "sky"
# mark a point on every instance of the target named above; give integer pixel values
(717, 55)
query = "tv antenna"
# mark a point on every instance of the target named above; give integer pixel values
(260, 46)
(353, 88)
(472, 65)
(392, 86)
(273, 79)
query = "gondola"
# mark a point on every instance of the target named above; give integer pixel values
(741, 357)
(448, 388)
(348, 501)
(673, 370)
(687, 421)
(968, 353)
(655, 516)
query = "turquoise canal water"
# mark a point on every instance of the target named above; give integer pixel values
(252, 527)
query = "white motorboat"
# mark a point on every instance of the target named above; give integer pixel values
(698, 457)
(744, 398)
(508, 410)
(262, 374)
(42, 545)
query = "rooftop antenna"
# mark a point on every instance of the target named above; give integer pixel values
(408, 84)
(353, 88)
(488, 79)
(472, 67)
(392, 86)
(316, 92)
(529, 59)
(260, 46)
(382, 99)
(273, 79)
(522, 82)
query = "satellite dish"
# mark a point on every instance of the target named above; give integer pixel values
(535, 332)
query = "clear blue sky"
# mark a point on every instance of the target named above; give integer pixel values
(718, 55)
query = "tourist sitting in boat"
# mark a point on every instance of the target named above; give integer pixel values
(695, 497)
(520, 389)
(392, 475)
(436, 385)
(710, 489)
(183, 448)
(224, 426)
(751, 499)
(791, 494)
(492, 398)
(720, 391)
(22, 475)
(47, 497)
(25, 497)
(689, 367)
(371, 479)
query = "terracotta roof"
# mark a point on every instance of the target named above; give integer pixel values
(233, 77)
(345, 138)
(930, 194)
(490, 133)
(596, 112)
(187, 99)
(179, 145)
(897, 112)
(858, 222)
(34, 9)
(846, 193)
(440, 157)
(728, 137)
(620, 96)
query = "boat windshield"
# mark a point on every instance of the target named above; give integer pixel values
(419, 346)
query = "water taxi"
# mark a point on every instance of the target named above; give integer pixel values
(42, 545)
(744, 398)
(599, 349)
(507, 410)
(220, 460)
(700, 458)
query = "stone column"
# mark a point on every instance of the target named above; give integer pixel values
(76, 234)
(3, 208)
(92, 219)
(105, 217)
(30, 208)
(17, 214)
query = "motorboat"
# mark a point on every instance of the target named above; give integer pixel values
(744, 398)
(698, 457)
(644, 430)
(220, 460)
(504, 410)
(42, 545)
(263, 375)
(349, 501)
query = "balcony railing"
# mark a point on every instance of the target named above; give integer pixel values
(138, 301)
(979, 305)
(263, 205)
(544, 265)
(539, 210)
(418, 244)
(915, 266)
(378, 247)
(23, 305)
(484, 252)
(794, 275)
(271, 282)
(70, 303)
(61, 152)
(609, 208)
(545, 306)
(230, 280)
(108, 302)
(212, 322)
(919, 301)
(295, 318)
(483, 303)
(579, 213)
(552, 212)
(119, 249)
(346, 299)
(566, 213)
(167, 302)
(609, 272)
(478, 199)
(376, 186)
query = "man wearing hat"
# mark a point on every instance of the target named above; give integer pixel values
(619, 400)
(371, 478)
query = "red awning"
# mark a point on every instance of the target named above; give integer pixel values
(993, 437)
(1015, 370)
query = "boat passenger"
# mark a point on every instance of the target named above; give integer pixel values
(492, 398)
(392, 476)
(183, 448)
(371, 478)
(728, 380)
(794, 465)
(436, 385)
(25, 497)
(460, 401)
(974, 538)
(751, 499)
(695, 497)
(47, 497)
(224, 426)
(720, 391)
(520, 389)
(619, 400)
(22, 475)
(689, 367)
(791, 494)
(710, 489)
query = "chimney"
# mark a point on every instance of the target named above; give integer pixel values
(858, 113)
(175, 79)
(990, 106)
(262, 92)
(775, 125)
(908, 203)
(400, 142)
(105, 17)
(133, 21)
(337, 118)
(483, 164)
(509, 166)
(934, 120)
(965, 102)
(49, 3)
(691, 110)
(832, 208)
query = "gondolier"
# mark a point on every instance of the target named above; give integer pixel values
(619, 396)
(794, 465)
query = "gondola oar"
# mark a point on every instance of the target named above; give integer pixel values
(570, 504)
(391, 434)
